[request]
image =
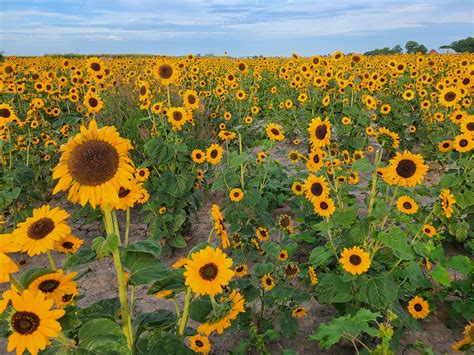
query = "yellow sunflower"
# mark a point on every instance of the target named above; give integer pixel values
(463, 143)
(200, 344)
(315, 160)
(449, 97)
(142, 174)
(283, 255)
(355, 261)
(93, 102)
(319, 132)
(407, 205)
(214, 154)
(198, 156)
(313, 277)
(262, 234)
(219, 226)
(69, 244)
(299, 312)
(33, 323)
(7, 114)
(241, 270)
(324, 206)
(445, 146)
(447, 202)
(429, 230)
(275, 132)
(418, 308)
(407, 169)
(94, 165)
(236, 195)
(297, 188)
(39, 233)
(55, 286)
(315, 187)
(268, 282)
(207, 271)
(166, 73)
(7, 267)
(177, 116)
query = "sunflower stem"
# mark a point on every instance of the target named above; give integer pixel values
(51, 260)
(116, 226)
(373, 191)
(127, 226)
(15, 283)
(184, 319)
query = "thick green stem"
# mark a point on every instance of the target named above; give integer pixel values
(51, 260)
(127, 225)
(184, 318)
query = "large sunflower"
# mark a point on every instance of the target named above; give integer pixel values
(355, 261)
(315, 187)
(449, 97)
(33, 323)
(39, 233)
(319, 132)
(55, 286)
(418, 307)
(407, 169)
(94, 165)
(207, 271)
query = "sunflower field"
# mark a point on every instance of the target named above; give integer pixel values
(179, 205)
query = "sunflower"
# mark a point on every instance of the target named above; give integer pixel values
(7, 267)
(275, 132)
(408, 95)
(241, 270)
(407, 205)
(262, 234)
(69, 244)
(315, 160)
(355, 261)
(95, 66)
(54, 286)
(283, 255)
(299, 312)
(268, 282)
(463, 143)
(346, 121)
(214, 154)
(319, 132)
(207, 271)
(93, 102)
(7, 114)
(449, 97)
(177, 116)
(407, 169)
(32, 323)
(94, 165)
(142, 174)
(469, 332)
(200, 344)
(166, 73)
(447, 202)
(39, 233)
(284, 221)
(294, 156)
(198, 156)
(418, 308)
(429, 230)
(324, 206)
(128, 195)
(219, 226)
(180, 263)
(467, 126)
(315, 187)
(313, 277)
(445, 146)
(191, 99)
(291, 270)
(236, 195)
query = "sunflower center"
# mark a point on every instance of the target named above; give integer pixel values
(324, 205)
(177, 116)
(5, 113)
(25, 322)
(316, 158)
(209, 271)
(285, 221)
(93, 102)
(355, 260)
(406, 168)
(67, 297)
(192, 99)
(239, 268)
(236, 194)
(93, 163)
(214, 154)
(470, 126)
(463, 143)
(68, 245)
(316, 189)
(321, 131)
(41, 228)
(95, 66)
(165, 71)
(449, 96)
(242, 66)
(407, 205)
(199, 344)
(418, 307)
(275, 131)
(142, 90)
(446, 145)
(48, 286)
(123, 192)
(268, 281)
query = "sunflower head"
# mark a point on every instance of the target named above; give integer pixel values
(355, 261)
(418, 307)
(407, 169)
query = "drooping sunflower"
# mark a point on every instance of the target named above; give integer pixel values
(228, 309)
(275, 132)
(313, 277)
(207, 271)
(94, 165)
(407, 205)
(319, 132)
(447, 202)
(355, 261)
(39, 233)
(284, 221)
(324, 206)
(200, 344)
(219, 226)
(69, 244)
(418, 307)
(198, 156)
(236, 195)
(299, 312)
(54, 286)
(268, 282)
(315, 187)
(33, 322)
(407, 169)
(214, 154)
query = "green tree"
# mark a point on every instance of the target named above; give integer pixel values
(465, 45)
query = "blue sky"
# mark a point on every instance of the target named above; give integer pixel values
(241, 27)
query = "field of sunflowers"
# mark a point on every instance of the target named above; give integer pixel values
(179, 205)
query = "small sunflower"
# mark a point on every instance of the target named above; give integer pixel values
(429, 230)
(200, 344)
(418, 308)
(407, 205)
(324, 206)
(178, 116)
(54, 286)
(241, 270)
(275, 132)
(69, 244)
(283, 255)
(299, 312)
(219, 226)
(297, 188)
(214, 154)
(191, 99)
(207, 271)
(463, 143)
(142, 174)
(315, 188)
(39, 233)
(447, 202)
(445, 146)
(355, 261)
(319, 132)
(236, 195)
(407, 169)
(262, 234)
(315, 160)
(198, 156)
(268, 282)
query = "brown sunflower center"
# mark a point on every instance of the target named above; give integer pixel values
(407, 205)
(95, 66)
(48, 286)
(191, 99)
(165, 71)
(177, 116)
(199, 343)
(5, 113)
(41, 228)
(93, 102)
(67, 245)
(418, 307)
(446, 145)
(209, 271)
(463, 143)
(406, 168)
(239, 268)
(321, 131)
(316, 189)
(284, 221)
(275, 131)
(93, 163)
(236, 194)
(268, 281)
(25, 323)
(450, 96)
(470, 126)
(123, 192)
(67, 297)
(242, 66)
(324, 205)
(142, 90)
(355, 259)
(198, 156)
(214, 153)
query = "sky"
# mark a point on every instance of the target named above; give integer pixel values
(240, 27)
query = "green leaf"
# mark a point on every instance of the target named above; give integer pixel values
(107, 308)
(289, 325)
(199, 310)
(331, 289)
(146, 246)
(143, 267)
(103, 336)
(378, 291)
(263, 268)
(179, 217)
(306, 236)
(363, 165)
(271, 248)
(150, 321)
(81, 257)
(441, 276)
(104, 247)
(319, 256)
(168, 280)
(69, 322)
(345, 217)
(178, 242)
(460, 263)
(396, 239)
(32, 274)
(165, 343)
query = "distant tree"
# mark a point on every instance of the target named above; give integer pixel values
(385, 50)
(397, 49)
(465, 45)
(415, 47)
